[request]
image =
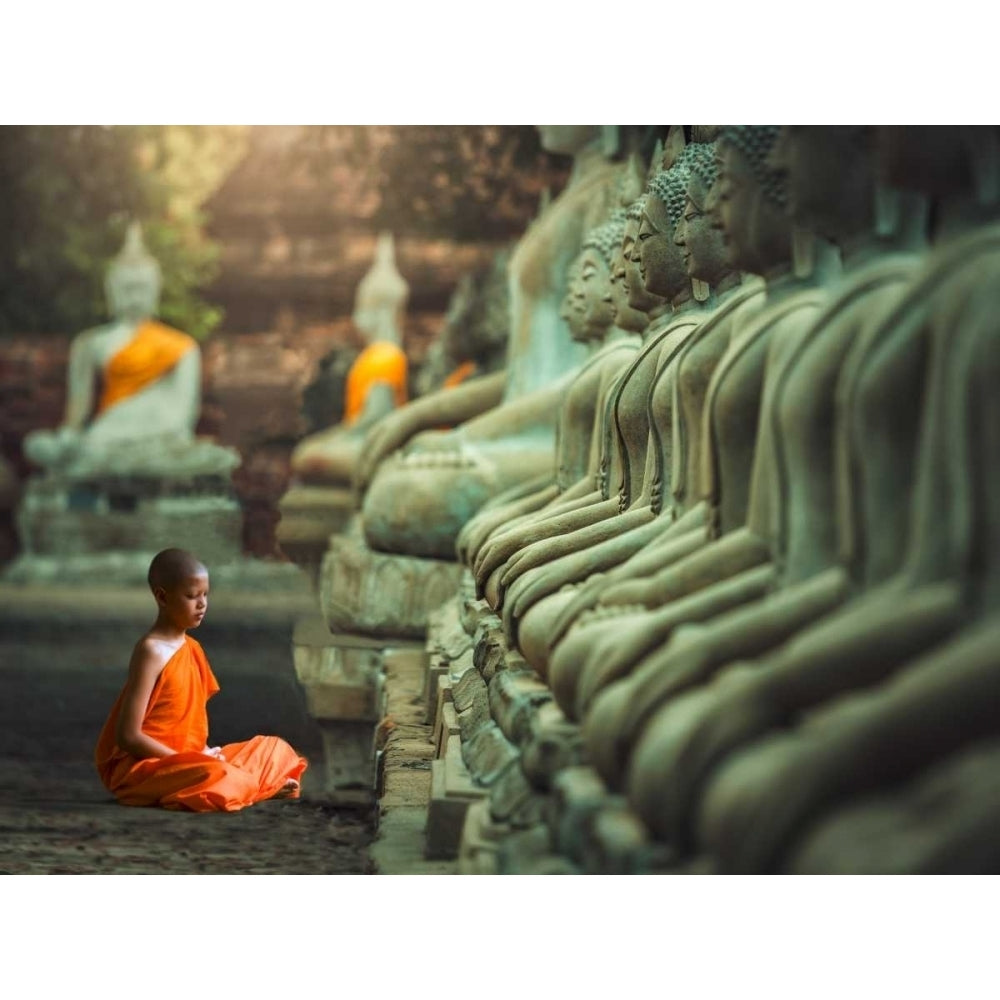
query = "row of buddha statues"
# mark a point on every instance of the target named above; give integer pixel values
(733, 497)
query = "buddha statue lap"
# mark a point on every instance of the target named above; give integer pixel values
(914, 674)
(420, 489)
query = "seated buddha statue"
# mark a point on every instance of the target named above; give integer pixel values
(419, 489)
(592, 307)
(675, 403)
(624, 503)
(133, 384)
(377, 381)
(907, 670)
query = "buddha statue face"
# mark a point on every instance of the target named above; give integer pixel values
(567, 139)
(133, 292)
(133, 281)
(639, 297)
(661, 263)
(701, 243)
(626, 316)
(595, 285)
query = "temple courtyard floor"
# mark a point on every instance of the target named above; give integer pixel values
(63, 658)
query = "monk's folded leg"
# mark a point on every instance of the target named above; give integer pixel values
(269, 760)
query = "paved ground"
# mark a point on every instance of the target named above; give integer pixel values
(63, 658)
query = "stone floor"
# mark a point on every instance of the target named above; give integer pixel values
(63, 657)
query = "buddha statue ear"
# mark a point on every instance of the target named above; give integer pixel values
(701, 290)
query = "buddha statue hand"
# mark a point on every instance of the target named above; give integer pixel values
(382, 438)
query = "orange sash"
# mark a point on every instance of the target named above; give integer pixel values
(153, 350)
(465, 370)
(381, 362)
(176, 715)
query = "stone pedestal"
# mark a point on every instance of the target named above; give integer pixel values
(124, 506)
(342, 676)
(376, 594)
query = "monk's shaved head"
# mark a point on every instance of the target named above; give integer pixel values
(172, 566)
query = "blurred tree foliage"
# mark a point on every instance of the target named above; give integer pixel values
(69, 194)
(463, 182)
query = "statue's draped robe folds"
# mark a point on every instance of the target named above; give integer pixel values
(154, 350)
(176, 716)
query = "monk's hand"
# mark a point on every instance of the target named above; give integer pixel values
(214, 752)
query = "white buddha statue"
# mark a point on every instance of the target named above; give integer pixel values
(133, 385)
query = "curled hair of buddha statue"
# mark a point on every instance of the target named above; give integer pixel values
(634, 212)
(670, 186)
(606, 239)
(755, 142)
(704, 166)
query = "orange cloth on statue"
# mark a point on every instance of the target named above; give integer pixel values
(176, 715)
(381, 362)
(465, 370)
(153, 350)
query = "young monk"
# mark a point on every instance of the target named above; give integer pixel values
(153, 750)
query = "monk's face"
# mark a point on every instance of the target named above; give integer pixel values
(186, 602)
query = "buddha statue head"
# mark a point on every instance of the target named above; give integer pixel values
(605, 300)
(701, 243)
(134, 280)
(627, 316)
(830, 172)
(751, 207)
(381, 296)
(638, 296)
(661, 263)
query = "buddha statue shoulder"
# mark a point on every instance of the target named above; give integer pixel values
(131, 382)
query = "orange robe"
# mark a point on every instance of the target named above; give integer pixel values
(381, 362)
(189, 779)
(153, 350)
